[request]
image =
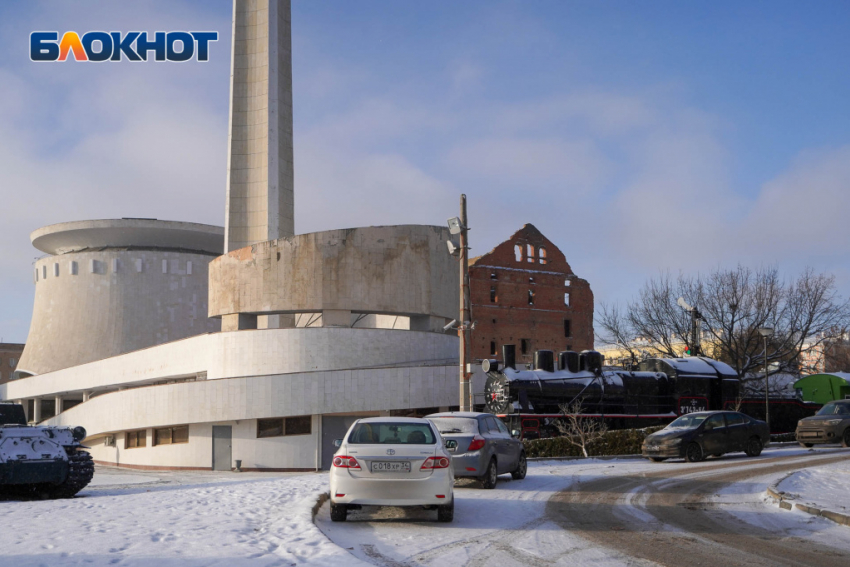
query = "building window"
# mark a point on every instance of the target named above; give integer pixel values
(542, 255)
(566, 283)
(134, 439)
(567, 330)
(530, 297)
(12, 362)
(567, 299)
(531, 280)
(529, 253)
(524, 345)
(518, 252)
(493, 348)
(493, 297)
(171, 435)
(494, 276)
(277, 427)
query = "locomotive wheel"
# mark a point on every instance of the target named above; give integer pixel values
(694, 453)
(80, 473)
(754, 447)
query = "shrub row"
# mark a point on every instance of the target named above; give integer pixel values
(616, 442)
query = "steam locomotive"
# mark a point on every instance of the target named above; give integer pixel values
(660, 390)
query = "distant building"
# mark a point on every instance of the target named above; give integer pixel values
(10, 355)
(523, 292)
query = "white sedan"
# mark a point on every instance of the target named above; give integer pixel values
(392, 461)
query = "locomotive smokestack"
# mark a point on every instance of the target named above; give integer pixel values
(544, 360)
(509, 356)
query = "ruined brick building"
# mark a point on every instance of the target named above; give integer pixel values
(523, 292)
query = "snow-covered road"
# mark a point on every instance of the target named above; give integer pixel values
(193, 519)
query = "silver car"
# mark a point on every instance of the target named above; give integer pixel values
(481, 446)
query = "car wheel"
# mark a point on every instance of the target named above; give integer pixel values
(657, 459)
(338, 512)
(446, 513)
(807, 445)
(522, 467)
(754, 447)
(845, 441)
(490, 477)
(694, 454)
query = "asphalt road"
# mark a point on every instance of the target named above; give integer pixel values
(669, 517)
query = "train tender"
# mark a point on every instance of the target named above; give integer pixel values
(660, 390)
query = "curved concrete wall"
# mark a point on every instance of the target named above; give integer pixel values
(245, 353)
(96, 304)
(400, 270)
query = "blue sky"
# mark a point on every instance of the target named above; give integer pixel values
(638, 136)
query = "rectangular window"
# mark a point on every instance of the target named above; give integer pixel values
(494, 276)
(493, 297)
(492, 347)
(171, 435)
(279, 426)
(567, 330)
(134, 439)
(530, 297)
(525, 345)
(12, 362)
(567, 299)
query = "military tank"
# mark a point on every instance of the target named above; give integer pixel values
(42, 461)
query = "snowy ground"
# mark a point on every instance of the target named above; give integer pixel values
(826, 487)
(190, 519)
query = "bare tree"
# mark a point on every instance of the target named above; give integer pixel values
(578, 429)
(803, 312)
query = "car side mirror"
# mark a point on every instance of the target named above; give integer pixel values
(337, 443)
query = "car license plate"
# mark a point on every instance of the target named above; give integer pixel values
(391, 466)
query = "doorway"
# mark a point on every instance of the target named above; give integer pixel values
(222, 448)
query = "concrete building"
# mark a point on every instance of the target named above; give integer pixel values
(172, 355)
(10, 355)
(523, 292)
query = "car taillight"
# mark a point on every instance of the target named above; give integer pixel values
(477, 443)
(435, 463)
(345, 462)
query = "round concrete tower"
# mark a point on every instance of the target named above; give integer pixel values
(108, 287)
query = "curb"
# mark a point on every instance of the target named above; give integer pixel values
(597, 457)
(323, 497)
(784, 503)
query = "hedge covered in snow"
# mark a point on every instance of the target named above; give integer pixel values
(615, 442)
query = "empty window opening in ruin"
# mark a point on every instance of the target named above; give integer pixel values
(524, 345)
(518, 252)
(494, 321)
(567, 283)
(541, 253)
(567, 299)
(493, 297)
(494, 276)
(492, 347)
(530, 297)
(531, 280)
(567, 329)
(529, 253)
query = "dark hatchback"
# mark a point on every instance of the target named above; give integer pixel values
(830, 425)
(695, 436)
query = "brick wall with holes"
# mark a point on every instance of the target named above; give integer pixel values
(523, 292)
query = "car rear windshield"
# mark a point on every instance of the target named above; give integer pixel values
(834, 409)
(387, 433)
(688, 421)
(449, 425)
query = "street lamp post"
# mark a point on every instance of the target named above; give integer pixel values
(766, 332)
(458, 225)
